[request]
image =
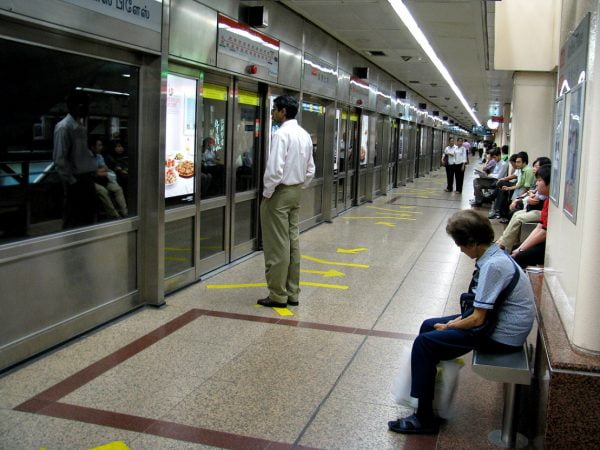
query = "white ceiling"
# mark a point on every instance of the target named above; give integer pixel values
(460, 31)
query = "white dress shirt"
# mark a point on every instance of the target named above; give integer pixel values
(460, 155)
(290, 160)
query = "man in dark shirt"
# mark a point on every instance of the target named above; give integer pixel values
(75, 163)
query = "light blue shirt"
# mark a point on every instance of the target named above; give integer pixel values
(516, 315)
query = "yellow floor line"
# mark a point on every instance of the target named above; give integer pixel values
(334, 263)
(251, 285)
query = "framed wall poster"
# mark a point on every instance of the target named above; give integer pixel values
(363, 153)
(559, 123)
(571, 190)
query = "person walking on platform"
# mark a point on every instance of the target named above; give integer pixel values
(290, 167)
(499, 318)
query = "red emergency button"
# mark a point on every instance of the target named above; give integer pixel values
(252, 69)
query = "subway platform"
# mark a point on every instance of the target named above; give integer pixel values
(211, 369)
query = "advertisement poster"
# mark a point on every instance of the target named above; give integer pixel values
(559, 119)
(574, 152)
(336, 140)
(364, 141)
(180, 136)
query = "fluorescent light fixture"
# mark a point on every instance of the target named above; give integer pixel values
(419, 36)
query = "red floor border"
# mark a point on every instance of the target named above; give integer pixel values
(47, 402)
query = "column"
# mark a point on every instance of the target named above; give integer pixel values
(532, 113)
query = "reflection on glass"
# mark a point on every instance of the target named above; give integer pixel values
(212, 171)
(178, 246)
(40, 193)
(211, 232)
(313, 121)
(180, 140)
(245, 141)
(344, 153)
(245, 221)
(379, 142)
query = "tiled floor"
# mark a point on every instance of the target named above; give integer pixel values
(211, 369)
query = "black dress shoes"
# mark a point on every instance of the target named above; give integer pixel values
(293, 303)
(270, 303)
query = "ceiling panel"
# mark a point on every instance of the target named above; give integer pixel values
(455, 29)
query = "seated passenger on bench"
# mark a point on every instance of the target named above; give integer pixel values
(499, 170)
(533, 249)
(499, 320)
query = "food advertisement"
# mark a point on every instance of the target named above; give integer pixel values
(180, 136)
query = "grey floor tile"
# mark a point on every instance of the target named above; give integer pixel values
(344, 424)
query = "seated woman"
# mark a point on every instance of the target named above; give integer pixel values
(531, 212)
(533, 249)
(496, 280)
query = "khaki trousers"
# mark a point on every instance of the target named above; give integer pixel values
(279, 217)
(512, 231)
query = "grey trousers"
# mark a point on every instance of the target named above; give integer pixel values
(279, 217)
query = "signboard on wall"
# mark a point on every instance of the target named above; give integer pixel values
(359, 91)
(144, 13)
(572, 65)
(319, 77)
(559, 115)
(575, 136)
(249, 46)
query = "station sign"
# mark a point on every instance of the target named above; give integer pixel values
(245, 44)
(319, 76)
(359, 91)
(144, 13)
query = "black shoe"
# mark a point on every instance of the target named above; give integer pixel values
(270, 303)
(447, 190)
(292, 302)
(412, 425)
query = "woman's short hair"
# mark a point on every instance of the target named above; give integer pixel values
(468, 227)
(544, 173)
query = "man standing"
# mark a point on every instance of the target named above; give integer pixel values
(75, 163)
(290, 167)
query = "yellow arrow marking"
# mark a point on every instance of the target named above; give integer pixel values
(387, 224)
(283, 311)
(326, 273)
(323, 285)
(333, 263)
(249, 285)
(380, 217)
(351, 250)
(395, 210)
(116, 445)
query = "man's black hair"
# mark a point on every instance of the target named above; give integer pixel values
(542, 161)
(544, 173)
(505, 149)
(513, 157)
(289, 103)
(524, 157)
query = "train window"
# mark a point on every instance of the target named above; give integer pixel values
(68, 150)
(313, 121)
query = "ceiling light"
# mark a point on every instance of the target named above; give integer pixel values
(419, 36)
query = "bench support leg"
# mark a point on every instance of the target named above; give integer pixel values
(508, 437)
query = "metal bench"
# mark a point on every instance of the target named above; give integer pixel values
(511, 369)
